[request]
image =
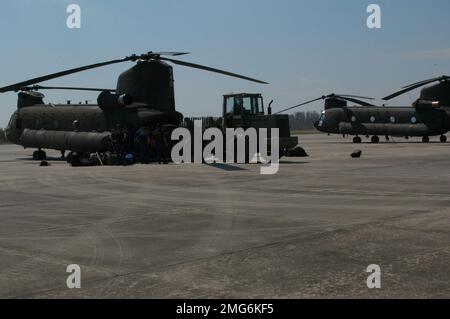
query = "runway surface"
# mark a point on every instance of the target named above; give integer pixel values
(225, 231)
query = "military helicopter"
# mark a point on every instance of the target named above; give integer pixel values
(335, 111)
(143, 97)
(428, 116)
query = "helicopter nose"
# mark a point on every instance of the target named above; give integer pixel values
(318, 124)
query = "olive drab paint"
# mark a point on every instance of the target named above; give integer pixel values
(144, 97)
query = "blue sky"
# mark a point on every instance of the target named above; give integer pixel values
(304, 48)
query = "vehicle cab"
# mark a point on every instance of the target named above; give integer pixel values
(246, 110)
(238, 107)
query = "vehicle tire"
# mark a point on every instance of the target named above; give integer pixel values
(36, 155)
(443, 139)
(375, 139)
(425, 139)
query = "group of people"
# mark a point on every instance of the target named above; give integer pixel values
(141, 146)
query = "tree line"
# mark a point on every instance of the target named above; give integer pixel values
(302, 121)
(2, 136)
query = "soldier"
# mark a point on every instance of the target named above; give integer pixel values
(143, 143)
(159, 141)
(117, 139)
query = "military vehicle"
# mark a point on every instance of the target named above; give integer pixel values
(246, 110)
(143, 97)
(428, 116)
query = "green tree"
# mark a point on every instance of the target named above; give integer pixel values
(302, 121)
(2, 136)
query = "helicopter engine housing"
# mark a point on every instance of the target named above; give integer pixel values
(106, 100)
(426, 105)
(332, 103)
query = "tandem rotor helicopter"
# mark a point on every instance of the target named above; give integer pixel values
(428, 116)
(144, 96)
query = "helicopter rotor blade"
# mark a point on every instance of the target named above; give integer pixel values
(207, 68)
(440, 78)
(359, 102)
(403, 91)
(146, 56)
(355, 96)
(171, 53)
(19, 85)
(299, 105)
(350, 98)
(40, 87)
(415, 86)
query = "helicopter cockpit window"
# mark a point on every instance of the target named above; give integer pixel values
(321, 119)
(322, 116)
(11, 120)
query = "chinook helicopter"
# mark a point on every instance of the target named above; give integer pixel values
(428, 116)
(143, 97)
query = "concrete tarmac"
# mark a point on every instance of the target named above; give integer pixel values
(225, 231)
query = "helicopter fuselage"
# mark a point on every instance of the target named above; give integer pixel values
(385, 121)
(89, 119)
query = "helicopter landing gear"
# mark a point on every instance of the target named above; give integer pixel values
(443, 139)
(357, 140)
(375, 139)
(39, 155)
(73, 158)
(425, 139)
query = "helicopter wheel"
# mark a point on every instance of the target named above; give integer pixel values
(357, 140)
(425, 139)
(443, 139)
(375, 139)
(39, 155)
(73, 158)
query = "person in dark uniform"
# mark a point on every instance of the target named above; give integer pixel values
(127, 140)
(118, 142)
(159, 142)
(143, 143)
